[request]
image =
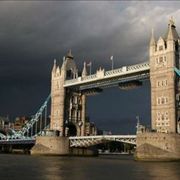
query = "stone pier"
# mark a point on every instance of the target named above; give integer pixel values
(51, 145)
(153, 146)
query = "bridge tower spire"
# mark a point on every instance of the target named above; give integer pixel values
(164, 56)
(84, 72)
(152, 43)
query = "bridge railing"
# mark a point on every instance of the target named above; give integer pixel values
(115, 71)
(93, 76)
(112, 73)
(138, 66)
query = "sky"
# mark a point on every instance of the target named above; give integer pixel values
(34, 33)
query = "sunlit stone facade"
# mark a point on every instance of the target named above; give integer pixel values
(164, 56)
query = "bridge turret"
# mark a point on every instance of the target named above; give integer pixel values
(84, 72)
(54, 67)
(69, 55)
(68, 69)
(152, 44)
(172, 36)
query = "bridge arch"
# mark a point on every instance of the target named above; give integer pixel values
(71, 129)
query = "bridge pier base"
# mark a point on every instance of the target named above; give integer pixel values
(152, 146)
(51, 145)
(56, 145)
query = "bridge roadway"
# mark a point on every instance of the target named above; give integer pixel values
(86, 141)
(77, 141)
(103, 79)
(17, 141)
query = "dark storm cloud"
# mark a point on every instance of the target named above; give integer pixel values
(32, 34)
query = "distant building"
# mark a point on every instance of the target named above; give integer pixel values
(19, 122)
(5, 123)
(90, 129)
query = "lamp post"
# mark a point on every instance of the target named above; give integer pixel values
(80, 124)
(66, 128)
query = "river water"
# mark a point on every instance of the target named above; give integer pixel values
(121, 167)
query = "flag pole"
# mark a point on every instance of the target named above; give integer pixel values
(89, 65)
(90, 68)
(112, 59)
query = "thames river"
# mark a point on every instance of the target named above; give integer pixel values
(121, 167)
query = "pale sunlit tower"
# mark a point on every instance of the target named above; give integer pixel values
(164, 56)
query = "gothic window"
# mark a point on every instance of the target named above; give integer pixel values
(166, 115)
(166, 100)
(158, 116)
(69, 74)
(162, 117)
(162, 100)
(164, 58)
(164, 82)
(158, 83)
(160, 48)
(161, 61)
(158, 101)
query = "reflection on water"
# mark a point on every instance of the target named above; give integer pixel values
(16, 167)
(161, 170)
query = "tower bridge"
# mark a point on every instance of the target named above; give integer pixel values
(69, 123)
(69, 91)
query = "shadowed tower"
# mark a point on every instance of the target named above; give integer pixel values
(68, 70)
(164, 56)
(68, 106)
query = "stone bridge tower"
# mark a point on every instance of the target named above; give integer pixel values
(68, 70)
(164, 56)
(162, 144)
(67, 105)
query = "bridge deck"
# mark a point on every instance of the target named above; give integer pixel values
(79, 141)
(126, 73)
(86, 141)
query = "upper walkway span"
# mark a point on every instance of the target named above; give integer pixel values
(104, 78)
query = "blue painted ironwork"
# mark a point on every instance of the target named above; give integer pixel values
(35, 118)
(23, 134)
(177, 71)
